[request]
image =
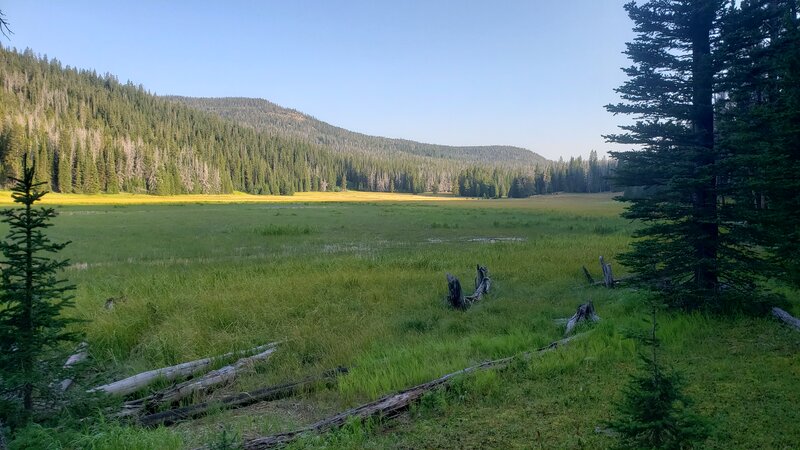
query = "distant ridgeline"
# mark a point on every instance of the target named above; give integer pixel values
(89, 133)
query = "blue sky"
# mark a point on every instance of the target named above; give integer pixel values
(533, 73)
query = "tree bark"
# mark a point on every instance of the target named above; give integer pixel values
(139, 381)
(608, 276)
(389, 406)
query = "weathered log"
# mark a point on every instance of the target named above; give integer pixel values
(388, 406)
(205, 383)
(139, 381)
(786, 318)
(608, 277)
(585, 312)
(588, 275)
(482, 285)
(80, 355)
(238, 400)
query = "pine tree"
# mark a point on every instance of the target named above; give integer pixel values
(654, 413)
(760, 129)
(32, 297)
(683, 250)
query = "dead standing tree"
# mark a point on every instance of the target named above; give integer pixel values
(455, 296)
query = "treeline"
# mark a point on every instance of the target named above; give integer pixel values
(576, 175)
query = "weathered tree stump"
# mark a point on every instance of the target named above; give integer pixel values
(585, 313)
(456, 297)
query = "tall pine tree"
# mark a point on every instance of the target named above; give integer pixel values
(684, 249)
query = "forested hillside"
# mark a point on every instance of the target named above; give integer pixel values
(267, 116)
(89, 133)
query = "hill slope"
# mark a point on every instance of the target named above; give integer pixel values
(264, 115)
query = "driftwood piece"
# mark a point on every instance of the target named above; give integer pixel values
(80, 355)
(456, 297)
(388, 406)
(205, 383)
(588, 275)
(585, 312)
(786, 318)
(608, 277)
(139, 381)
(238, 400)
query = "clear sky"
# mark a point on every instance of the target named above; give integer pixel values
(530, 73)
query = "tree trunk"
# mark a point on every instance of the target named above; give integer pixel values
(608, 276)
(139, 381)
(205, 383)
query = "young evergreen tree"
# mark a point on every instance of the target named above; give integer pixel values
(654, 412)
(32, 298)
(684, 249)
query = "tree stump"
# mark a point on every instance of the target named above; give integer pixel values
(585, 312)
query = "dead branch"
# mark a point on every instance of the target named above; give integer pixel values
(585, 313)
(389, 406)
(786, 318)
(139, 381)
(238, 400)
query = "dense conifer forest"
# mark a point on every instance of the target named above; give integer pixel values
(90, 133)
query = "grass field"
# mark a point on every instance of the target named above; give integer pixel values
(358, 280)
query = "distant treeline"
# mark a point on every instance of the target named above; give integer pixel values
(89, 133)
(576, 175)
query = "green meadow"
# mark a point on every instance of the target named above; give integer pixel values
(362, 285)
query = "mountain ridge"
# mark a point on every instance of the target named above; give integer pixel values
(264, 115)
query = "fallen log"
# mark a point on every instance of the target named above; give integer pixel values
(585, 313)
(80, 355)
(455, 295)
(139, 381)
(205, 383)
(786, 318)
(388, 406)
(238, 400)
